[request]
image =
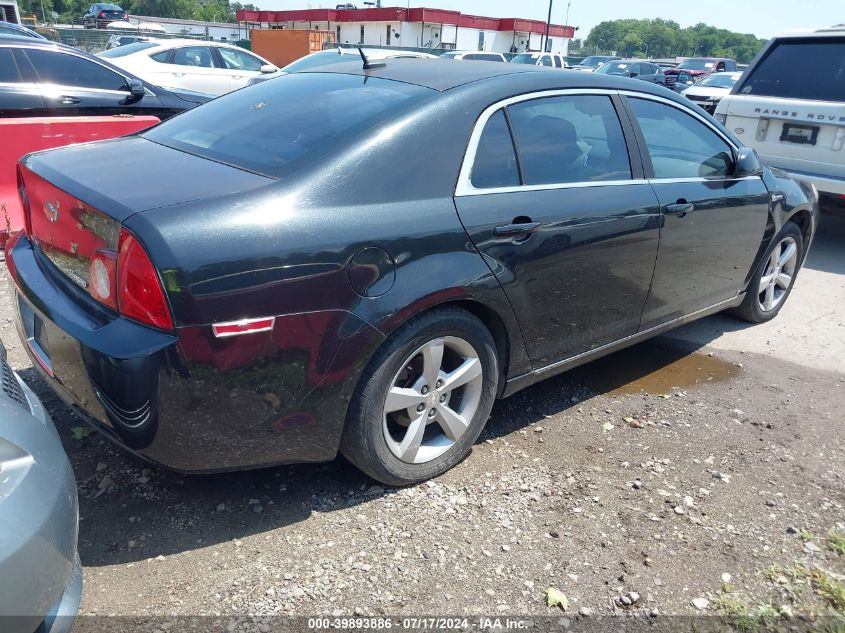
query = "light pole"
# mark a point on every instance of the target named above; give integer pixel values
(548, 24)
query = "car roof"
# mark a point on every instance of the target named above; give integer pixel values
(442, 74)
(20, 28)
(834, 31)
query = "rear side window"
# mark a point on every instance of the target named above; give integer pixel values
(569, 139)
(679, 145)
(273, 127)
(495, 159)
(162, 57)
(69, 70)
(800, 69)
(199, 56)
(558, 62)
(545, 60)
(9, 73)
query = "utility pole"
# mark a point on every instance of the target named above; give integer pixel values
(548, 24)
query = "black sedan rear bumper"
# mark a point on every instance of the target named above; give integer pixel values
(188, 400)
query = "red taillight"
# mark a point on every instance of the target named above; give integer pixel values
(102, 277)
(101, 14)
(139, 292)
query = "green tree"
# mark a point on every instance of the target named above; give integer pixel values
(659, 38)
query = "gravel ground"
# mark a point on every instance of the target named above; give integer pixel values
(698, 473)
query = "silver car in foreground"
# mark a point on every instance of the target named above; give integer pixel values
(40, 573)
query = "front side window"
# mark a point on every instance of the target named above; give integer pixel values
(199, 56)
(800, 69)
(568, 139)
(70, 70)
(680, 145)
(237, 60)
(495, 159)
(558, 62)
(275, 126)
(546, 61)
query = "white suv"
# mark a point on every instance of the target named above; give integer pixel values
(790, 106)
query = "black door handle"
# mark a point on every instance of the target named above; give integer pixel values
(680, 209)
(518, 228)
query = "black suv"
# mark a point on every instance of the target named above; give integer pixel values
(100, 14)
(79, 84)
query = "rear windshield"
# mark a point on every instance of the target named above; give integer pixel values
(109, 7)
(127, 49)
(800, 69)
(315, 61)
(718, 80)
(697, 64)
(524, 58)
(268, 127)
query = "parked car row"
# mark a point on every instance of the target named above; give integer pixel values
(42, 78)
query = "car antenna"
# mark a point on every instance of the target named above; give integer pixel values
(367, 63)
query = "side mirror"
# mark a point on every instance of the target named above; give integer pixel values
(747, 163)
(268, 68)
(136, 89)
(632, 74)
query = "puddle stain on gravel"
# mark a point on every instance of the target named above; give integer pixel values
(656, 367)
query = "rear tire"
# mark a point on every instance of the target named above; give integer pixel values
(401, 430)
(774, 278)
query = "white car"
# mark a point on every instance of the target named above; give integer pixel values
(552, 60)
(337, 55)
(210, 67)
(790, 106)
(479, 56)
(709, 91)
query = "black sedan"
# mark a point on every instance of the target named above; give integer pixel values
(363, 259)
(99, 15)
(634, 68)
(40, 78)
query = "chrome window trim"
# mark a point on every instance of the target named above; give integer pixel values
(465, 187)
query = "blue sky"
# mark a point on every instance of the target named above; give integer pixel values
(764, 18)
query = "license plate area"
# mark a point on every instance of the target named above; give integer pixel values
(36, 335)
(800, 134)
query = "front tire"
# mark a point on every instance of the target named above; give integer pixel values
(774, 278)
(423, 399)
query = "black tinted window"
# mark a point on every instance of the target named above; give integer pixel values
(69, 70)
(8, 68)
(681, 146)
(495, 159)
(569, 139)
(800, 69)
(545, 60)
(193, 56)
(269, 127)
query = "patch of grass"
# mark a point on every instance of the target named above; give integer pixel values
(744, 618)
(830, 589)
(805, 535)
(836, 542)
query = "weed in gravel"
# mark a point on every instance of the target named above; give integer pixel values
(746, 618)
(805, 535)
(836, 541)
(830, 589)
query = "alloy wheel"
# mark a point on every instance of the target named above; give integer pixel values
(777, 277)
(432, 399)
